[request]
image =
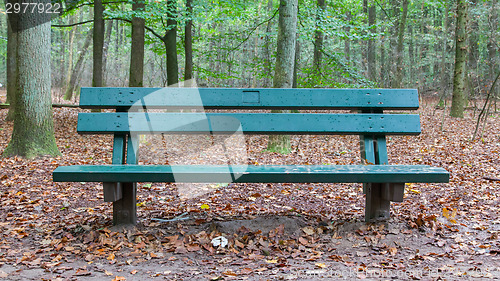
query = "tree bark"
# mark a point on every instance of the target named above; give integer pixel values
(398, 77)
(188, 43)
(136, 71)
(105, 51)
(267, 49)
(371, 43)
(318, 38)
(492, 42)
(98, 45)
(458, 101)
(75, 72)
(171, 44)
(11, 69)
(445, 77)
(33, 133)
(296, 64)
(347, 41)
(285, 58)
(70, 60)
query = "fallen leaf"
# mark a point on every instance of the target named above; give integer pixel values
(82, 272)
(320, 265)
(308, 230)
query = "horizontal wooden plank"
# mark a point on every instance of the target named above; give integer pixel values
(258, 174)
(248, 123)
(212, 98)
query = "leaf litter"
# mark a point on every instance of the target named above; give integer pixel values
(63, 231)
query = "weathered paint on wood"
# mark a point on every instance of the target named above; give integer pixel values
(263, 173)
(249, 123)
(234, 98)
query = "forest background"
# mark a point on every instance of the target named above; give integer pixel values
(231, 43)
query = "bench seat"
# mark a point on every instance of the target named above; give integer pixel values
(256, 174)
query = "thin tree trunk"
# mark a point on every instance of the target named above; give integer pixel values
(33, 133)
(347, 41)
(296, 64)
(398, 77)
(188, 43)
(11, 69)
(105, 51)
(62, 62)
(75, 73)
(458, 102)
(136, 71)
(492, 42)
(255, 50)
(383, 64)
(371, 43)
(70, 58)
(171, 45)
(98, 44)
(318, 38)
(267, 48)
(285, 58)
(445, 77)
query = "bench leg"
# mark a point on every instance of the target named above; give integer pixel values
(125, 209)
(377, 207)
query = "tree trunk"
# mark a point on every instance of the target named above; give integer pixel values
(62, 63)
(255, 55)
(105, 51)
(347, 41)
(285, 58)
(383, 63)
(98, 45)
(70, 60)
(398, 77)
(296, 63)
(458, 102)
(371, 43)
(318, 38)
(492, 42)
(136, 71)
(411, 55)
(171, 44)
(33, 133)
(188, 43)
(75, 72)
(267, 49)
(11, 69)
(445, 77)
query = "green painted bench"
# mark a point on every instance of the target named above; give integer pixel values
(383, 183)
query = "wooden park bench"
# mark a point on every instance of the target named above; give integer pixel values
(383, 183)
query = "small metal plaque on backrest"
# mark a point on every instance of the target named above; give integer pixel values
(251, 97)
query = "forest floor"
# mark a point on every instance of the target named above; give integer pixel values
(63, 231)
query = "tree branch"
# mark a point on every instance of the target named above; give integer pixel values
(255, 28)
(70, 25)
(146, 27)
(92, 3)
(484, 107)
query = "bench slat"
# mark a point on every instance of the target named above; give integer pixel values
(251, 123)
(258, 174)
(212, 98)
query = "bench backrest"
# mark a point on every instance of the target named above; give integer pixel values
(370, 123)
